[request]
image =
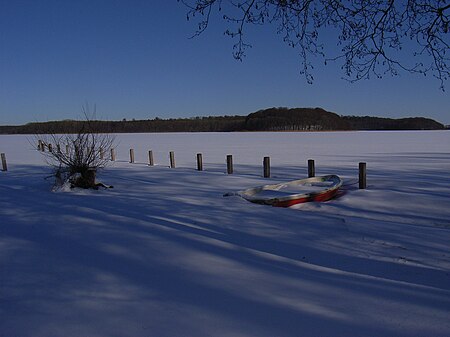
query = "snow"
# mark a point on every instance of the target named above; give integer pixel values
(164, 254)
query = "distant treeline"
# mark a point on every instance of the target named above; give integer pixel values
(273, 119)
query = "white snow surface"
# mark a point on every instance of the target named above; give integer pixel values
(163, 253)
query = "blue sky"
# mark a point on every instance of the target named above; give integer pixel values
(134, 59)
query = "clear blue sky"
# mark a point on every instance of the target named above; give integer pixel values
(134, 59)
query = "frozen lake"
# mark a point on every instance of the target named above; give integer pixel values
(391, 150)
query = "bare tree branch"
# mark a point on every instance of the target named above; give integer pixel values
(375, 37)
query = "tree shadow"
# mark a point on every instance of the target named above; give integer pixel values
(164, 239)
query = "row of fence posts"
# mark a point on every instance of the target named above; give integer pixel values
(266, 165)
(229, 160)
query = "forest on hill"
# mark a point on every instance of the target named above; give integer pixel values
(273, 119)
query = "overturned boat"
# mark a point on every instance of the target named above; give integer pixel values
(294, 192)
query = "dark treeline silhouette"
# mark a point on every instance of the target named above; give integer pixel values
(273, 119)
(379, 123)
(196, 124)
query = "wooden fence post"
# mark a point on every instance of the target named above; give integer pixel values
(131, 155)
(102, 153)
(39, 145)
(199, 162)
(113, 155)
(50, 148)
(67, 149)
(362, 175)
(230, 164)
(311, 168)
(150, 158)
(172, 159)
(4, 166)
(58, 148)
(266, 165)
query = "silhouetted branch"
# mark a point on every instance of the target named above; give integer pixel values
(375, 37)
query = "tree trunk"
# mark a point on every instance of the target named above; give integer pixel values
(87, 179)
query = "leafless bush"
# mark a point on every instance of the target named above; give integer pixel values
(78, 156)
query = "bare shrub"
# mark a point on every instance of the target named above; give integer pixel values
(76, 156)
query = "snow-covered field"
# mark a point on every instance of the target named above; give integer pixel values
(164, 254)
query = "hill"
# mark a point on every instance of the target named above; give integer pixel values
(299, 119)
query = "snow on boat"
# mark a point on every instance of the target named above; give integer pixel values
(294, 192)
